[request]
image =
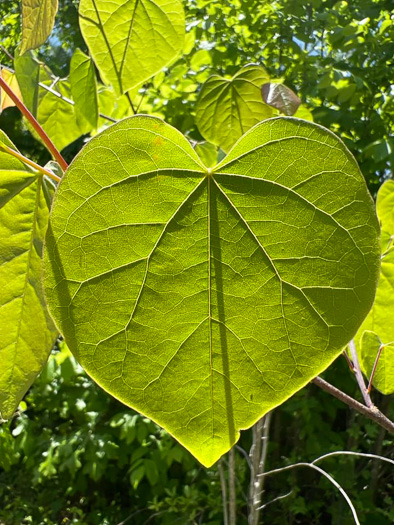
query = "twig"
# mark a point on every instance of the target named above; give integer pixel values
(59, 95)
(325, 474)
(348, 360)
(283, 496)
(374, 368)
(232, 504)
(371, 412)
(359, 375)
(131, 103)
(47, 141)
(29, 162)
(6, 52)
(259, 456)
(350, 453)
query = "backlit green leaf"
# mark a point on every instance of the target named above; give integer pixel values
(29, 333)
(383, 378)
(27, 71)
(38, 18)
(57, 117)
(228, 107)
(131, 40)
(206, 297)
(208, 153)
(380, 318)
(84, 90)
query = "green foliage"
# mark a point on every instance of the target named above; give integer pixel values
(27, 334)
(228, 107)
(95, 463)
(38, 18)
(84, 90)
(154, 259)
(335, 56)
(132, 40)
(56, 116)
(379, 326)
(27, 71)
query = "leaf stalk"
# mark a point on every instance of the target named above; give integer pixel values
(47, 141)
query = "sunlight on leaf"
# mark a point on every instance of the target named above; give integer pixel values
(84, 90)
(38, 19)
(228, 107)
(380, 319)
(131, 40)
(30, 333)
(203, 298)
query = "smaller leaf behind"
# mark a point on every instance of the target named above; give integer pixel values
(38, 19)
(84, 90)
(384, 376)
(380, 319)
(131, 40)
(27, 71)
(228, 107)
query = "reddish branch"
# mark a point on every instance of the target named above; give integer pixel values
(47, 141)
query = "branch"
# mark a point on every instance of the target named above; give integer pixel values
(325, 474)
(47, 141)
(371, 412)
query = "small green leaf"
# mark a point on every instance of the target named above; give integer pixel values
(56, 116)
(84, 90)
(131, 40)
(204, 297)
(29, 335)
(380, 318)
(383, 379)
(27, 71)
(208, 153)
(38, 19)
(280, 97)
(228, 107)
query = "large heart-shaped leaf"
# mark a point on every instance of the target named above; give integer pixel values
(205, 297)
(228, 107)
(380, 320)
(27, 334)
(131, 40)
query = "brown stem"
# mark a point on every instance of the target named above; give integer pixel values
(47, 141)
(371, 412)
(374, 368)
